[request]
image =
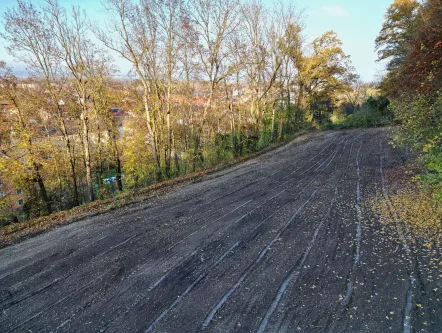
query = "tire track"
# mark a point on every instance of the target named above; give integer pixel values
(128, 239)
(266, 191)
(196, 208)
(22, 323)
(156, 283)
(296, 270)
(294, 273)
(134, 212)
(67, 258)
(34, 276)
(95, 257)
(357, 257)
(189, 289)
(84, 248)
(328, 160)
(407, 328)
(335, 315)
(281, 171)
(131, 237)
(118, 291)
(261, 204)
(262, 254)
(69, 274)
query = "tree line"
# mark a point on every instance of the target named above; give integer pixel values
(211, 80)
(410, 43)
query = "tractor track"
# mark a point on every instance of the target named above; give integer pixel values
(285, 242)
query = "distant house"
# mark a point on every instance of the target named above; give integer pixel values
(11, 198)
(117, 112)
(5, 106)
(28, 85)
(119, 117)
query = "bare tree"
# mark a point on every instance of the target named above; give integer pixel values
(291, 44)
(358, 93)
(287, 42)
(102, 99)
(79, 55)
(169, 17)
(30, 38)
(215, 23)
(262, 63)
(132, 34)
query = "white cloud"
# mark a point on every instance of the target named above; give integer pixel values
(335, 10)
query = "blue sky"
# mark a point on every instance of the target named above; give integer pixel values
(357, 23)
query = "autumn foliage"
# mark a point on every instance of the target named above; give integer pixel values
(422, 70)
(411, 44)
(211, 81)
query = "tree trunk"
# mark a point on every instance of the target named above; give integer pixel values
(273, 123)
(119, 182)
(281, 127)
(76, 199)
(70, 155)
(87, 157)
(100, 162)
(42, 188)
(152, 134)
(169, 142)
(300, 96)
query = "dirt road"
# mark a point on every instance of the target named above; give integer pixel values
(287, 242)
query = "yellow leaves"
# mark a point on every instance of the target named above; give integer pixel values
(432, 142)
(417, 210)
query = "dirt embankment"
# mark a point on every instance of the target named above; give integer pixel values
(286, 242)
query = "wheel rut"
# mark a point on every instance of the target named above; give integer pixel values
(287, 242)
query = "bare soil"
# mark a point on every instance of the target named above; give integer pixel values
(286, 242)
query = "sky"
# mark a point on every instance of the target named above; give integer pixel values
(356, 22)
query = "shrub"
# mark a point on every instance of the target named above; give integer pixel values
(374, 112)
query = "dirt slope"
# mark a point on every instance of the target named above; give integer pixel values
(287, 242)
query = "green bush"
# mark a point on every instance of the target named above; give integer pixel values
(420, 118)
(374, 112)
(432, 177)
